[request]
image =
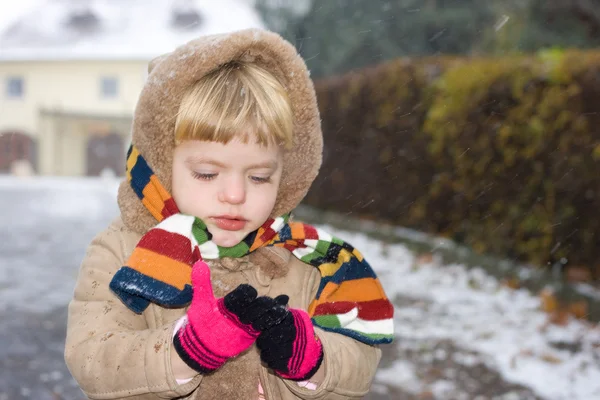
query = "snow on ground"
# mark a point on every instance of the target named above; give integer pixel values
(51, 222)
(503, 326)
(460, 334)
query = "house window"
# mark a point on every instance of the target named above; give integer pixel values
(109, 87)
(15, 87)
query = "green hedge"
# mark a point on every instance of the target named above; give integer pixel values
(500, 154)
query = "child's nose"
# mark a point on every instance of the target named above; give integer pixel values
(233, 192)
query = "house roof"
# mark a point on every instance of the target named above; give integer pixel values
(119, 29)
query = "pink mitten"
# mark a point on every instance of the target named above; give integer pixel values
(213, 333)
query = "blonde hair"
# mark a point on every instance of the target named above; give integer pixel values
(238, 100)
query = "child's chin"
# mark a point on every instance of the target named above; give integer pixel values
(227, 238)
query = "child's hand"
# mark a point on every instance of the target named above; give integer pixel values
(214, 332)
(287, 341)
(291, 348)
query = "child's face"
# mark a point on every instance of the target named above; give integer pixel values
(232, 187)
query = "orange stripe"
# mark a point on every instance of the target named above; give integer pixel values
(164, 195)
(364, 289)
(297, 230)
(155, 213)
(170, 271)
(154, 197)
(258, 242)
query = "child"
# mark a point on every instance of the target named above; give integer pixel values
(204, 262)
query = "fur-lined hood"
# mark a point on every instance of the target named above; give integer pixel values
(170, 74)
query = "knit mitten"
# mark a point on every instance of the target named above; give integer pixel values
(262, 313)
(291, 348)
(213, 332)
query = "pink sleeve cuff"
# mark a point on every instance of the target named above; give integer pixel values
(308, 385)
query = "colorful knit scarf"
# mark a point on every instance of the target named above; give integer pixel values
(350, 299)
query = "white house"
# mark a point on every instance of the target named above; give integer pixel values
(71, 72)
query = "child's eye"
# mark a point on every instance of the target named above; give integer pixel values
(204, 177)
(258, 179)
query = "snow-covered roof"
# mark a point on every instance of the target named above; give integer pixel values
(119, 29)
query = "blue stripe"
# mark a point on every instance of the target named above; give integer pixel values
(140, 176)
(285, 233)
(137, 290)
(348, 271)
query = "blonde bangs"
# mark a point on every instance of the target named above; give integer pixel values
(238, 100)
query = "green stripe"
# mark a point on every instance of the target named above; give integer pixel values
(322, 247)
(337, 241)
(328, 321)
(332, 322)
(199, 231)
(309, 257)
(239, 250)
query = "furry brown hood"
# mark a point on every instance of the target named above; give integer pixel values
(169, 76)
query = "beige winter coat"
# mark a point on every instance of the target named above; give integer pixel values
(114, 353)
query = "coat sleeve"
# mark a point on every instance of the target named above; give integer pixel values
(109, 349)
(350, 365)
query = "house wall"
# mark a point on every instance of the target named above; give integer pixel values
(67, 88)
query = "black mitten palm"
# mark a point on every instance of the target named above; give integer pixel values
(262, 313)
(287, 342)
(291, 348)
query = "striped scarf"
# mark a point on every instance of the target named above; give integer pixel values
(350, 299)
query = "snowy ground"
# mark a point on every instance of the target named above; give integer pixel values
(460, 335)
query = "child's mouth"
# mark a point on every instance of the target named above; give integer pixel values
(228, 223)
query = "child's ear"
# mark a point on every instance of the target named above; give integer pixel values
(155, 61)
